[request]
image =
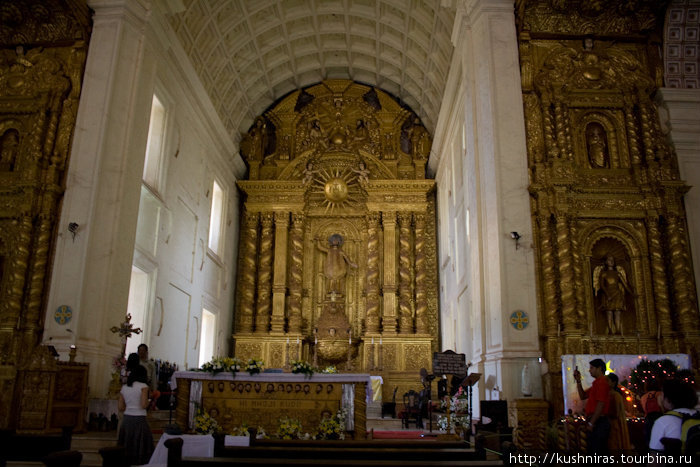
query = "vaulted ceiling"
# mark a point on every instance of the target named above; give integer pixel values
(249, 53)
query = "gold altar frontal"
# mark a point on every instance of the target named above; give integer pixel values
(262, 400)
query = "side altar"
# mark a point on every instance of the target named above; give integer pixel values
(261, 400)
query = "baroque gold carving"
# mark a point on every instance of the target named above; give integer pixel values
(344, 156)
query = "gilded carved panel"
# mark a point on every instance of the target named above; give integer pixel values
(607, 199)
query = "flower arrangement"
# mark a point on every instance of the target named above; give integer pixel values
(459, 403)
(289, 428)
(299, 366)
(119, 363)
(220, 364)
(243, 431)
(455, 421)
(205, 424)
(332, 427)
(329, 370)
(254, 366)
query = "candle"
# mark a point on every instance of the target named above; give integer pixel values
(373, 341)
(315, 340)
(350, 340)
(287, 340)
(380, 341)
(297, 340)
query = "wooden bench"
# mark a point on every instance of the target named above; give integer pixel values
(344, 453)
(32, 447)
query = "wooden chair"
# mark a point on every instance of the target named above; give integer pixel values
(411, 410)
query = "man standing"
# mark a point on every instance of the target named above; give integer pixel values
(597, 399)
(150, 367)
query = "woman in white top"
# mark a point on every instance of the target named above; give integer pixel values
(135, 434)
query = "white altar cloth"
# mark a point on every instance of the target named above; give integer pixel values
(192, 446)
(343, 378)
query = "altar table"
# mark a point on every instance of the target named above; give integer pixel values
(261, 400)
(192, 446)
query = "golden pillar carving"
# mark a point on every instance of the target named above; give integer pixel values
(372, 320)
(389, 285)
(579, 287)
(552, 319)
(647, 127)
(631, 127)
(658, 277)
(566, 272)
(421, 275)
(563, 139)
(683, 294)
(262, 317)
(296, 240)
(548, 123)
(248, 252)
(405, 313)
(279, 287)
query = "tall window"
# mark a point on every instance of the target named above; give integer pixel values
(216, 219)
(137, 307)
(154, 148)
(207, 336)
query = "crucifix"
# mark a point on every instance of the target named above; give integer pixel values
(125, 330)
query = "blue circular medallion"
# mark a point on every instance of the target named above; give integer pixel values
(519, 320)
(63, 314)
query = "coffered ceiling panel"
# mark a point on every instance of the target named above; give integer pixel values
(249, 53)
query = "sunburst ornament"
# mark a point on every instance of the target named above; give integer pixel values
(338, 186)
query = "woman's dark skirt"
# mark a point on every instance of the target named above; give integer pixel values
(135, 435)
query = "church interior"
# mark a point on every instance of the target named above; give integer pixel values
(358, 184)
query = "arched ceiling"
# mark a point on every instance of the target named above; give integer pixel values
(249, 53)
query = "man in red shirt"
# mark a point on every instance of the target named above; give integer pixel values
(597, 399)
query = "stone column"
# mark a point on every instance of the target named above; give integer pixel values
(372, 307)
(262, 317)
(405, 313)
(389, 285)
(296, 245)
(248, 263)
(420, 267)
(107, 157)
(279, 287)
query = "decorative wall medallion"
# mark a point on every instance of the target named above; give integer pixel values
(519, 320)
(63, 314)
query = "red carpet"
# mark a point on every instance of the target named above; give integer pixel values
(390, 434)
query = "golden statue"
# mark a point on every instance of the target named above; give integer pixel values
(596, 143)
(610, 281)
(335, 267)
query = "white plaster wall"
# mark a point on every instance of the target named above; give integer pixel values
(133, 53)
(483, 277)
(680, 110)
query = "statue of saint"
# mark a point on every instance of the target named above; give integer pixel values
(597, 146)
(336, 265)
(362, 174)
(610, 282)
(9, 143)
